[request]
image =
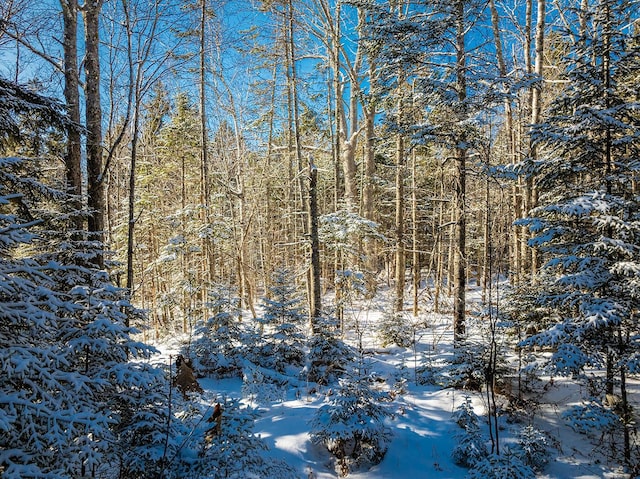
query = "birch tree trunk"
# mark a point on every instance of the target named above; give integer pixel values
(536, 109)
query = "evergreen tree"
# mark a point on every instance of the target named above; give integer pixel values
(586, 226)
(328, 355)
(351, 425)
(282, 342)
(66, 369)
(471, 446)
(219, 345)
(234, 451)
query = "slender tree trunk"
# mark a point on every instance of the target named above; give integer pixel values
(511, 144)
(415, 253)
(93, 109)
(459, 277)
(368, 189)
(486, 256)
(73, 169)
(399, 226)
(339, 107)
(207, 263)
(269, 236)
(292, 84)
(536, 110)
(134, 84)
(368, 195)
(350, 138)
(132, 200)
(315, 303)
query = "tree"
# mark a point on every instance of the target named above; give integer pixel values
(471, 446)
(412, 47)
(282, 325)
(585, 227)
(351, 426)
(70, 369)
(73, 166)
(217, 350)
(93, 112)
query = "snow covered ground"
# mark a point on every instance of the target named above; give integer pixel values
(423, 431)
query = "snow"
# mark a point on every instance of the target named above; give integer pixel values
(424, 433)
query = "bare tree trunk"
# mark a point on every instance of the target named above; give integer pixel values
(73, 169)
(511, 144)
(292, 84)
(415, 254)
(132, 198)
(95, 175)
(207, 268)
(459, 277)
(339, 107)
(399, 226)
(368, 211)
(368, 190)
(315, 303)
(536, 109)
(350, 138)
(135, 86)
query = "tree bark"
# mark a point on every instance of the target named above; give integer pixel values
(459, 276)
(415, 253)
(93, 109)
(536, 110)
(72, 160)
(399, 226)
(315, 303)
(511, 144)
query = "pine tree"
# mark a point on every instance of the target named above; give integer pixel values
(283, 338)
(67, 369)
(351, 425)
(328, 355)
(586, 226)
(235, 451)
(471, 446)
(218, 348)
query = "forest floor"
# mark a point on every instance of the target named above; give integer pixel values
(424, 433)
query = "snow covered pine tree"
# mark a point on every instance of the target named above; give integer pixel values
(67, 386)
(587, 226)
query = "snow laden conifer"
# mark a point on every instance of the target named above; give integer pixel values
(505, 466)
(532, 447)
(351, 425)
(232, 450)
(328, 355)
(218, 348)
(395, 329)
(65, 372)
(471, 445)
(282, 325)
(587, 225)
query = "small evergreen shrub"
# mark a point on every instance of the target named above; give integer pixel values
(351, 426)
(218, 347)
(328, 354)
(470, 446)
(395, 329)
(506, 466)
(467, 367)
(532, 448)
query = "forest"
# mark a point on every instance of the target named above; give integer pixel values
(354, 210)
